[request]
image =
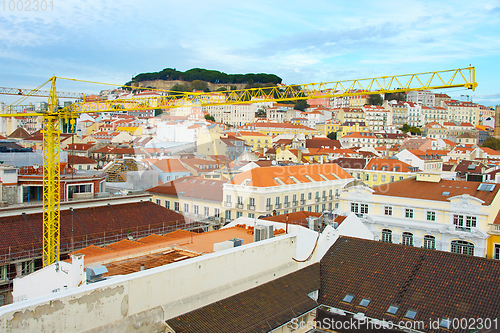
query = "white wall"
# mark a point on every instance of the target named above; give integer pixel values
(142, 301)
(51, 279)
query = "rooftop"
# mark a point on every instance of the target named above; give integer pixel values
(411, 188)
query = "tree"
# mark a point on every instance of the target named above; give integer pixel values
(492, 143)
(301, 105)
(332, 136)
(375, 99)
(412, 129)
(209, 117)
(199, 85)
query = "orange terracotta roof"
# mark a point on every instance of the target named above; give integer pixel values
(266, 176)
(411, 188)
(385, 164)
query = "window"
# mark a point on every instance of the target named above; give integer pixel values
(392, 179)
(176, 206)
(167, 204)
(277, 201)
(393, 309)
(309, 209)
(79, 189)
(411, 314)
(364, 209)
(186, 208)
(374, 178)
(240, 200)
(496, 252)
(316, 209)
(383, 178)
(228, 215)
(286, 199)
(445, 323)
(409, 213)
(158, 201)
(429, 242)
(470, 222)
(251, 215)
(228, 198)
(462, 247)
(364, 302)
(239, 214)
(388, 210)
(387, 235)
(252, 202)
(407, 239)
(268, 202)
(367, 177)
(348, 298)
(216, 212)
(196, 209)
(309, 196)
(206, 211)
(431, 216)
(354, 207)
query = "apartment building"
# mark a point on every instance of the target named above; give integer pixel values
(426, 98)
(377, 117)
(234, 115)
(194, 197)
(462, 112)
(428, 212)
(281, 190)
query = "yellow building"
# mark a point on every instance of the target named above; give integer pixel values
(132, 130)
(257, 140)
(282, 190)
(381, 171)
(195, 197)
(429, 212)
(274, 129)
(328, 127)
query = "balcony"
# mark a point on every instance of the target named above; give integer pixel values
(239, 205)
(330, 197)
(278, 206)
(286, 205)
(295, 203)
(269, 207)
(317, 199)
(458, 228)
(325, 198)
(302, 202)
(251, 207)
(227, 204)
(494, 229)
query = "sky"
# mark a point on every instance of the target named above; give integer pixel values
(300, 41)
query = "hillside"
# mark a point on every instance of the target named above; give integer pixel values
(210, 79)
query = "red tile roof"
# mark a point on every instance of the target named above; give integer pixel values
(411, 188)
(25, 231)
(192, 187)
(265, 176)
(299, 218)
(386, 164)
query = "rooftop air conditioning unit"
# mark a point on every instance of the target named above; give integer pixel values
(259, 233)
(94, 274)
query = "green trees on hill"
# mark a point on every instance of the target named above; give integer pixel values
(169, 74)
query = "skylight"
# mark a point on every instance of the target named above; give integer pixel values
(348, 298)
(309, 178)
(364, 302)
(411, 314)
(279, 181)
(446, 194)
(486, 187)
(393, 309)
(445, 323)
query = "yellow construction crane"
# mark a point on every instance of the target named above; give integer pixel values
(455, 78)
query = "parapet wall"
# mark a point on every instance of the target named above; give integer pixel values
(142, 301)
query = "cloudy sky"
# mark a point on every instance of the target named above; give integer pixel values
(300, 41)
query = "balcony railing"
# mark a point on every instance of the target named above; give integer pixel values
(251, 207)
(286, 204)
(325, 198)
(317, 199)
(227, 204)
(295, 203)
(278, 206)
(269, 207)
(239, 205)
(302, 202)
(495, 229)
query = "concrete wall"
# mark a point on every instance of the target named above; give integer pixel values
(142, 301)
